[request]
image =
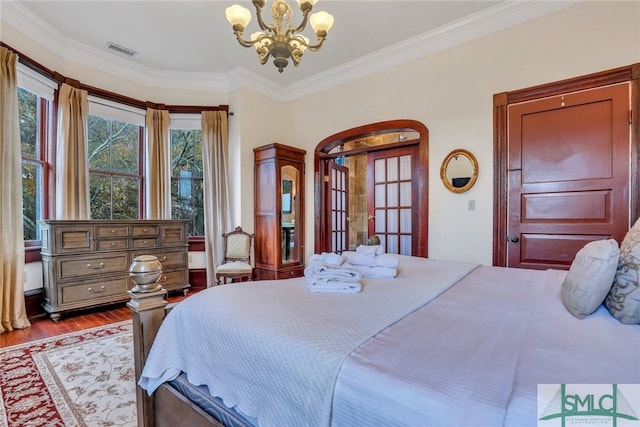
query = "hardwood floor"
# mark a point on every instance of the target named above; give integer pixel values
(44, 327)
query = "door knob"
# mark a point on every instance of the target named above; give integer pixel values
(514, 239)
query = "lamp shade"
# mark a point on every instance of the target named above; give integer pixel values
(321, 21)
(262, 43)
(238, 15)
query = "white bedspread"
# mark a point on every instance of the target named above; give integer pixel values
(474, 356)
(560, 349)
(273, 349)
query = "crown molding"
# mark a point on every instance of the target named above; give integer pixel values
(494, 19)
(44, 34)
(240, 77)
(504, 15)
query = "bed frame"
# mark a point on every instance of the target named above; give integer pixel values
(166, 407)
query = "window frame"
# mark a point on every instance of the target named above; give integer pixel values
(116, 111)
(186, 121)
(45, 90)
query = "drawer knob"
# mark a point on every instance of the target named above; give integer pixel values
(96, 291)
(96, 266)
(113, 231)
(164, 258)
(164, 279)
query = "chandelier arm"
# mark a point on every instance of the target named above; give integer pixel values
(242, 41)
(303, 24)
(263, 54)
(296, 56)
(317, 46)
(261, 23)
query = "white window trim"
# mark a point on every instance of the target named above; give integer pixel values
(115, 111)
(185, 121)
(35, 82)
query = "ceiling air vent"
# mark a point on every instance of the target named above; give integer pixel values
(121, 49)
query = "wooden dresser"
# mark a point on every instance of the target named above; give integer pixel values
(86, 263)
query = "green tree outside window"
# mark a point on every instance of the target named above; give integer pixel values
(186, 179)
(114, 169)
(32, 162)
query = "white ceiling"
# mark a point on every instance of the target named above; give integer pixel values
(193, 38)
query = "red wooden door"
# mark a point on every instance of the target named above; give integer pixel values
(392, 196)
(568, 175)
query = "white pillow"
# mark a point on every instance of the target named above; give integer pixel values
(623, 301)
(590, 277)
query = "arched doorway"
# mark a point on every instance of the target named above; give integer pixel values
(373, 180)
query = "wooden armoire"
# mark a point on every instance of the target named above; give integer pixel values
(279, 211)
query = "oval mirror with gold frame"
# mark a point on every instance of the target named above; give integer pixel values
(459, 171)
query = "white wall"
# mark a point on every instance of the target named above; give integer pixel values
(256, 121)
(451, 92)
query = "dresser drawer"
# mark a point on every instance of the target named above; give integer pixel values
(70, 267)
(145, 230)
(166, 258)
(146, 242)
(74, 239)
(173, 234)
(95, 290)
(111, 244)
(172, 278)
(103, 231)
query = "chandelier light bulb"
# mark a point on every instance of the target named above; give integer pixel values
(238, 15)
(321, 21)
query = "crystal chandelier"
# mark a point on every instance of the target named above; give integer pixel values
(280, 40)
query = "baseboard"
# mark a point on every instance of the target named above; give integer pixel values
(33, 303)
(198, 279)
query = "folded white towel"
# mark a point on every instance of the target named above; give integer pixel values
(328, 258)
(383, 260)
(370, 250)
(376, 272)
(331, 285)
(344, 272)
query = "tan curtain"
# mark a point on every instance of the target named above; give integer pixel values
(158, 167)
(13, 314)
(217, 204)
(72, 169)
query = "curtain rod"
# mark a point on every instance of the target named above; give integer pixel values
(111, 96)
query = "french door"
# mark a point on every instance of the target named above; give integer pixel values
(338, 207)
(392, 195)
(345, 184)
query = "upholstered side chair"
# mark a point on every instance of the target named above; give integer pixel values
(236, 264)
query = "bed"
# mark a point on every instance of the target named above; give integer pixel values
(443, 343)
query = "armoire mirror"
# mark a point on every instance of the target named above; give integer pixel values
(289, 177)
(459, 171)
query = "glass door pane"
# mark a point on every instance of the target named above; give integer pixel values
(289, 207)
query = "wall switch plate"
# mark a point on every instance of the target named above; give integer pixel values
(471, 205)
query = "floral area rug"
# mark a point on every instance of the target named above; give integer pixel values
(84, 378)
